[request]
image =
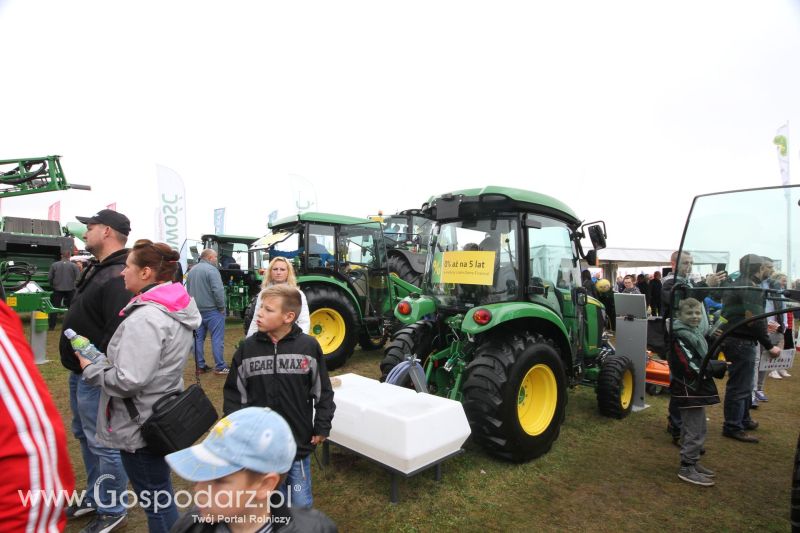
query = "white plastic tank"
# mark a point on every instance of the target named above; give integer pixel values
(395, 426)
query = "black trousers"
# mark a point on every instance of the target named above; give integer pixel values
(59, 299)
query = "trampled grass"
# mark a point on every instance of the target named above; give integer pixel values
(601, 475)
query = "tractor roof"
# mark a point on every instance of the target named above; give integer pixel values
(324, 218)
(238, 239)
(494, 198)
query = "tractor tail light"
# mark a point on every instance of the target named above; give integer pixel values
(404, 308)
(482, 316)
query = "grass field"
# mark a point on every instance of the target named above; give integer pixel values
(601, 475)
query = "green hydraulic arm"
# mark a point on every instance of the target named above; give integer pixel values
(33, 175)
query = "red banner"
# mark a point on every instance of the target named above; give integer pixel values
(54, 211)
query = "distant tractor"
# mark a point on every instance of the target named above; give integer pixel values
(502, 323)
(341, 266)
(407, 234)
(238, 268)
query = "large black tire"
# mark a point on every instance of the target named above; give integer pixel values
(795, 514)
(248, 314)
(615, 387)
(414, 339)
(333, 322)
(515, 395)
(400, 267)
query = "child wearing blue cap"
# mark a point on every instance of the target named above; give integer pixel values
(282, 368)
(237, 470)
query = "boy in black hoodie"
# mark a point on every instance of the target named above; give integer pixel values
(282, 368)
(690, 390)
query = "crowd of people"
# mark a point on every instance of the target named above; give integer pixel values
(278, 400)
(142, 323)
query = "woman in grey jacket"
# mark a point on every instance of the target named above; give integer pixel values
(145, 361)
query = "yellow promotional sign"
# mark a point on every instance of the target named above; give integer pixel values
(468, 268)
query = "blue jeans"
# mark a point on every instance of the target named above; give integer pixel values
(149, 475)
(298, 484)
(105, 478)
(738, 392)
(214, 322)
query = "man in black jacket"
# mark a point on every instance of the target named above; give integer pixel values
(741, 346)
(282, 368)
(99, 296)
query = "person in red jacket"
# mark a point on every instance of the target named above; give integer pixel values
(33, 447)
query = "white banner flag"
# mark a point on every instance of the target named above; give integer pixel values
(781, 142)
(172, 211)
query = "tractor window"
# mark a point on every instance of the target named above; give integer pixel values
(358, 245)
(475, 262)
(321, 246)
(551, 253)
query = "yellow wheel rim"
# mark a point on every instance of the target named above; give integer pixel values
(327, 325)
(626, 394)
(537, 399)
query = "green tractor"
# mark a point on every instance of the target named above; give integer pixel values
(341, 266)
(237, 266)
(503, 324)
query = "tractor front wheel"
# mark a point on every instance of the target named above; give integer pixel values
(515, 395)
(615, 387)
(333, 322)
(248, 314)
(415, 339)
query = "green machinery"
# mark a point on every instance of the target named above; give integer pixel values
(502, 323)
(240, 278)
(29, 246)
(341, 266)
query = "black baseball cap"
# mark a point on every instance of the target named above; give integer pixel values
(110, 218)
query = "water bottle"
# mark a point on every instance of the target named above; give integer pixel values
(82, 345)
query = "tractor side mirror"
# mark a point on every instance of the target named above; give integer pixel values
(591, 257)
(597, 236)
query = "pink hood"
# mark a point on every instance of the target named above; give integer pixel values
(173, 296)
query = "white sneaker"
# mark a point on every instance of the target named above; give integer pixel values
(775, 375)
(784, 373)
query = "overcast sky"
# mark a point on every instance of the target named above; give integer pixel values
(624, 110)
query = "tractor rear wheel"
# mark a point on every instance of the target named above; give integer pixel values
(515, 395)
(333, 322)
(415, 339)
(615, 387)
(400, 267)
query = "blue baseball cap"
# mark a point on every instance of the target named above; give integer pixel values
(255, 438)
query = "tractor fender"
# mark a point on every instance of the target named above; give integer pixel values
(534, 317)
(330, 280)
(401, 288)
(420, 307)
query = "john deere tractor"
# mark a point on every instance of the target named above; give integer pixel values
(502, 323)
(341, 267)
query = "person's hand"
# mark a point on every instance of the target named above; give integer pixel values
(715, 280)
(772, 326)
(317, 439)
(774, 352)
(82, 360)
